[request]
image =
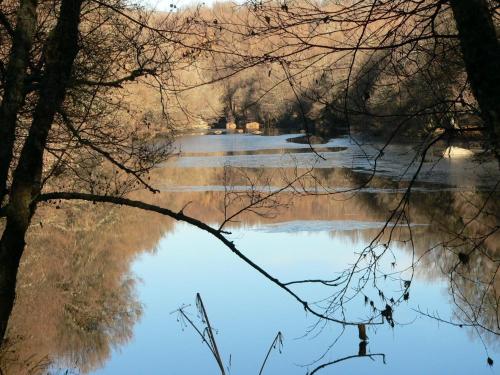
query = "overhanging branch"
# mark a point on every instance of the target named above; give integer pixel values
(217, 233)
(118, 83)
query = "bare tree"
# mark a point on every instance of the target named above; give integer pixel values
(66, 122)
(64, 104)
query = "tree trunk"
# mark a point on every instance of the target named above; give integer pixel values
(481, 53)
(61, 50)
(14, 86)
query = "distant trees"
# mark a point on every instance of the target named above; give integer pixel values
(396, 63)
(370, 66)
(70, 130)
(417, 70)
(65, 120)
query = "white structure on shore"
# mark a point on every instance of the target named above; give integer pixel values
(457, 152)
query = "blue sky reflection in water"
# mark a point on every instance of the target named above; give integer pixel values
(317, 242)
(247, 311)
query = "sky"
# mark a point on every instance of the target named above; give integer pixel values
(165, 5)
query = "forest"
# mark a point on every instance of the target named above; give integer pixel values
(124, 124)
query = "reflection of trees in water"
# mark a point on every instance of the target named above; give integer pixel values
(467, 255)
(459, 241)
(76, 296)
(461, 245)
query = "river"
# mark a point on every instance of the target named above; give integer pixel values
(101, 288)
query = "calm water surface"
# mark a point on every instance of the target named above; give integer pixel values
(116, 307)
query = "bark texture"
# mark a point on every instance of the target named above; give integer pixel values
(481, 53)
(61, 50)
(13, 97)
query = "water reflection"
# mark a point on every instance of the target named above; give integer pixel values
(271, 151)
(80, 307)
(76, 296)
(395, 164)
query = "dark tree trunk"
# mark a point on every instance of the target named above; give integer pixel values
(14, 86)
(61, 50)
(481, 53)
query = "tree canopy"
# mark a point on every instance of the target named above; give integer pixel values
(84, 86)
